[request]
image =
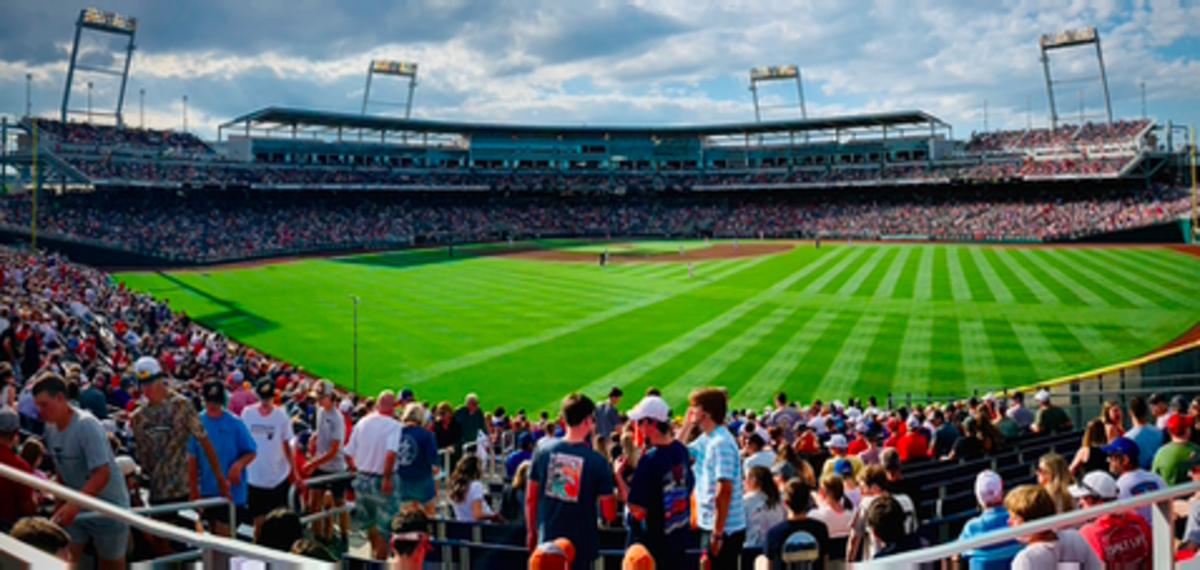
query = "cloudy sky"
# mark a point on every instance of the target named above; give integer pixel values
(642, 61)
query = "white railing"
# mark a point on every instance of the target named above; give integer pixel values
(1161, 527)
(208, 543)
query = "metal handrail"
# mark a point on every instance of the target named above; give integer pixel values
(329, 478)
(207, 542)
(174, 507)
(1161, 525)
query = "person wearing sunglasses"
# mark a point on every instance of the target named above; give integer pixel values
(409, 543)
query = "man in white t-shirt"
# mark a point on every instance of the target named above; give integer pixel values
(272, 472)
(371, 452)
(1132, 480)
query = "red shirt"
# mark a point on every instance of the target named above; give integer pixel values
(857, 446)
(16, 500)
(1121, 540)
(912, 447)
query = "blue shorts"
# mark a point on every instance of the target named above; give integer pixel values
(110, 537)
(417, 490)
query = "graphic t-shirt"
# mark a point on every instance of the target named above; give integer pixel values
(779, 534)
(1121, 540)
(231, 440)
(270, 432)
(662, 484)
(416, 452)
(1140, 481)
(571, 478)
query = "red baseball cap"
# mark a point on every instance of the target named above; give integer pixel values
(1178, 424)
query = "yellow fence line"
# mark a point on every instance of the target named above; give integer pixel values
(1091, 374)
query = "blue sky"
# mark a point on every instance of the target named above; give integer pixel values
(645, 61)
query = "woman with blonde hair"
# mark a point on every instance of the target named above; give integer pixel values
(1054, 476)
(1091, 456)
(1114, 422)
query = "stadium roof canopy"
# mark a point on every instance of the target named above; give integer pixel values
(283, 117)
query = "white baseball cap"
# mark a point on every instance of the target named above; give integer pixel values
(651, 408)
(837, 441)
(989, 487)
(1095, 484)
(147, 369)
(1042, 396)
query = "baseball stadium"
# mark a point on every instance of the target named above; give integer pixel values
(876, 312)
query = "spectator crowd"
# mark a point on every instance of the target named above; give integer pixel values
(111, 393)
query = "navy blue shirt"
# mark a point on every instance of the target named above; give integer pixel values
(416, 454)
(662, 484)
(571, 478)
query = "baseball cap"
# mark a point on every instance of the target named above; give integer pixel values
(837, 441)
(235, 378)
(651, 408)
(914, 422)
(1123, 446)
(557, 554)
(346, 405)
(406, 394)
(214, 392)
(637, 558)
(265, 389)
(843, 467)
(127, 465)
(615, 392)
(1042, 396)
(9, 421)
(147, 369)
(1178, 424)
(989, 487)
(1097, 484)
(321, 388)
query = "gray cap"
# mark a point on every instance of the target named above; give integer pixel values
(9, 421)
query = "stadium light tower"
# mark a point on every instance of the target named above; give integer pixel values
(403, 69)
(1080, 37)
(101, 22)
(776, 73)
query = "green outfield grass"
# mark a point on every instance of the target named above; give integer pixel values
(831, 322)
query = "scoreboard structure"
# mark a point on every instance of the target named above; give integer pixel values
(96, 21)
(394, 68)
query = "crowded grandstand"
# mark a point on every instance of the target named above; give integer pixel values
(111, 395)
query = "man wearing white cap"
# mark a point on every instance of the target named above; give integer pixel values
(658, 495)
(1121, 540)
(989, 491)
(1049, 418)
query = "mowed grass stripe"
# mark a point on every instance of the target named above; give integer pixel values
(889, 275)
(1045, 360)
(1092, 340)
(844, 371)
(904, 285)
(877, 375)
(946, 363)
(709, 368)
(1056, 281)
(1039, 286)
(656, 356)
(1012, 363)
(979, 366)
(980, 291)
(995, 284)
(847, 287)
(916, 350)
(832, 273)
(1072, 260)
(807, 374)
(477, 357)
(923, 287)
(1021, 291)
(775, 373)
(1146, 280)
(942, 290)
(1181, 267)
(960, 290)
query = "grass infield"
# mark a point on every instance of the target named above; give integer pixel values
(841, 320)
